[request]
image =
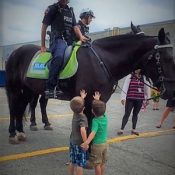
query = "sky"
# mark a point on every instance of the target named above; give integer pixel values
(21, 20)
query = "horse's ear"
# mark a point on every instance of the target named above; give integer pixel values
(138, 28)
(161, 35)
(134, 29)
(167, 36)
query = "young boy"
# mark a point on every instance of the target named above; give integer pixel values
(78, 134)
(98, 136)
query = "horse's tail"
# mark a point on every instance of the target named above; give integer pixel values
(27, 110)
(8, 95)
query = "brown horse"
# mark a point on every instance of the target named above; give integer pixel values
(101, 65)
(43, 102)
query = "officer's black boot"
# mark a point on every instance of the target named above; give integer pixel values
(58, 91)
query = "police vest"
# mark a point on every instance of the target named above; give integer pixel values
(84, 29)
(63, 21)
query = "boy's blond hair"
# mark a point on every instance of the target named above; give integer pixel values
(77, 104)
(98, 107)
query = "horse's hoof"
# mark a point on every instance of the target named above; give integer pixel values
(21, 136)
(34, 128)
(49, 127)
(13, 140)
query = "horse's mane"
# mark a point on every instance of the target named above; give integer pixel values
(119, 38)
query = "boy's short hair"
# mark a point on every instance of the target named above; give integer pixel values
(77, 104)
(99, 107)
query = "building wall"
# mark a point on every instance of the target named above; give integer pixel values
(5, 51)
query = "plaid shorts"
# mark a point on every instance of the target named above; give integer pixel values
(77, 155)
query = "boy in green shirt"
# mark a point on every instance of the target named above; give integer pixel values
(98, 136)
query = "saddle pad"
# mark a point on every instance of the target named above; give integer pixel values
(38, 69)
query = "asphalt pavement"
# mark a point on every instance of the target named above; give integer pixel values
(46, 152)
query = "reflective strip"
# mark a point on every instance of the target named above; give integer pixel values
(140, 33)
(162, 46)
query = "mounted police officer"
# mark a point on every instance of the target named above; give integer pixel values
(62, 20)
(86, 17)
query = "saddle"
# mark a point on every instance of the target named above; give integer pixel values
(67, 55)
(40, 63)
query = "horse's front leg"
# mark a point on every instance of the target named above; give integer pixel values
(33, 103)
(43, 105)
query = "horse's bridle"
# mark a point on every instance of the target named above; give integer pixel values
(161, 78)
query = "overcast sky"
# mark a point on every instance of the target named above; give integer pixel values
(21, 20)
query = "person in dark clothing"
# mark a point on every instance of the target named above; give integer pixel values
(62, 20)
(86, 17)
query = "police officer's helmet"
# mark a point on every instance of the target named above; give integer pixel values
(86, 12)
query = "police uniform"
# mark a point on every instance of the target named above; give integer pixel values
(84, 30)
(62, 20)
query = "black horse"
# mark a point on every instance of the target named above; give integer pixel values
(43, 102)
(101, 65)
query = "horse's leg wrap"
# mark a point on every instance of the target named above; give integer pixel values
(21, 136)
(13, 140)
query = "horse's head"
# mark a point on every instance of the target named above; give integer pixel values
(160, 66)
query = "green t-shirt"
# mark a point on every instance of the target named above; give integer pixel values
(100, 126)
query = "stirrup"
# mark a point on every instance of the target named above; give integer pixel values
(52, 94)
(59, 92)
(49, 94)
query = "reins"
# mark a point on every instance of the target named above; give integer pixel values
(103, 65)
(107, 72)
